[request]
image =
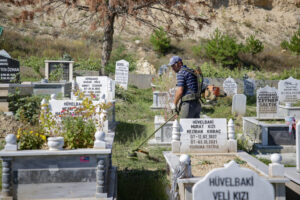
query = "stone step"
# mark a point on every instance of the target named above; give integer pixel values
(275, 149)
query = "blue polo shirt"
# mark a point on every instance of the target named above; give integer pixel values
(187, 80)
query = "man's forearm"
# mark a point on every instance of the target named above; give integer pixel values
(178, 95)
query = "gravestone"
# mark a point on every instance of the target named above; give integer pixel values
(239, 104)
(267, 102)
(163, 69)
(67, 66)
(280, 136)
(121, 74)
(289, 90)
(249, 87)
(160, 100)
(230, 86)
(4, 53)
(9, 69)
(101, 86)
(57, 107)
(203, 135)
(232, 183)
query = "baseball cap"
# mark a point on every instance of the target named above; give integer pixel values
(174, 60)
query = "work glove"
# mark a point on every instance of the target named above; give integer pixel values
(174, 108)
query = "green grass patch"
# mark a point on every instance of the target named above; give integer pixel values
(144, 177)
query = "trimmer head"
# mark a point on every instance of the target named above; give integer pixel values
(132, 155)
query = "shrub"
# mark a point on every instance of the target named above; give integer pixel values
(253, 45)
(78, 133)
(26, 109)
(117, 54)
(56, 74)
(284, 44)
(93, 64)
(30, 139)
(223, 49)
(294, 44)
(160, 40)
(34, 62)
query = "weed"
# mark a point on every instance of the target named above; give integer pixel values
(204, 162)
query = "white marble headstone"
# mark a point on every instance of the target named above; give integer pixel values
(249, 87)
(203, 135)
(232, 182)
(58, 107)
(289, 90)
(230, 86)
(101, 86)
(239, 104)
(121, 74)
(267, 102)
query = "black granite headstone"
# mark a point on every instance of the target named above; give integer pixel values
(9, 70)
(280, 136)
(65, 66)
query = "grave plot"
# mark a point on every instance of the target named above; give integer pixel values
(58, 79)
(212, 170)
(9, 81)
(59, 173)
(163, 136)
(99, 89)
(273, 127)
(289, 94)
(293, 173)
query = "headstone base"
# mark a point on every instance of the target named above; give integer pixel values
(4, 107)
(276, 170)
(154, 142)
(232, 146)
(6, 198)
(10, 147)
(175, 146)
(99, 145)
(286, 111)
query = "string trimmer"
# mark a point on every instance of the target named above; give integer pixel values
(133, 153)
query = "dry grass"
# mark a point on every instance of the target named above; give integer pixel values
(22, 46)
(202, 164)
(272, 59)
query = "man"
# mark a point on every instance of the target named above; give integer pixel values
(186, 91)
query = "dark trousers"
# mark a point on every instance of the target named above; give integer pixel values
(190, 109)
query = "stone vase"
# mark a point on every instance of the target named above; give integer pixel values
(55, 143)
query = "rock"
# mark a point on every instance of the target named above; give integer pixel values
(144, 67)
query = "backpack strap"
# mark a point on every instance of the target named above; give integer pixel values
(197, 95)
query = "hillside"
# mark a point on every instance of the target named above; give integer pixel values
(271, 21)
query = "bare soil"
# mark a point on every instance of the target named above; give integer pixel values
(202, 164)
(8, 124)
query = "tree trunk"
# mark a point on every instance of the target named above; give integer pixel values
(107, 40)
